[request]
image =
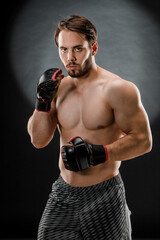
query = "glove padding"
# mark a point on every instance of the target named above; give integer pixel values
(46, 89)
(81, 155)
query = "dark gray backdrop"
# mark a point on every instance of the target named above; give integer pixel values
(128, 37)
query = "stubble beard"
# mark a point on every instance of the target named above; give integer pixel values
(77, 73)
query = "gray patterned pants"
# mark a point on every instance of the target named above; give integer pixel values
(97, 212)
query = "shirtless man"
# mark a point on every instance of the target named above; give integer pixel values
(101, 122)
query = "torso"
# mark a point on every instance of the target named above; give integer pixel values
(84, 112)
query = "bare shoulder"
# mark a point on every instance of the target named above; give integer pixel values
(120, 92)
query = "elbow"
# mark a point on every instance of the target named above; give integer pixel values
(37, 144)
(147, 144)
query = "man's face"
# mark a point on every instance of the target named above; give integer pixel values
(75, 53)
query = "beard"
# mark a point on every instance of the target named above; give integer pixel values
(77, 73)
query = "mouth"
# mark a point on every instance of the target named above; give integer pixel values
(72, 67)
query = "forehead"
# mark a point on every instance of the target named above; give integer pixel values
(69, 39)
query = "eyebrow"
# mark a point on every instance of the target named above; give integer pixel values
(76, 46)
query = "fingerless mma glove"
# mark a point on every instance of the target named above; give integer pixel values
(46, 89)
(81, 155)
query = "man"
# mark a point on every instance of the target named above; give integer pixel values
(102, 122)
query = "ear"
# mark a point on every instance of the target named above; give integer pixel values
(94, 48)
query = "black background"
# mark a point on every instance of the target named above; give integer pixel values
(27, 173)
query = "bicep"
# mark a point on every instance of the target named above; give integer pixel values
(134, 122)
(129, 113)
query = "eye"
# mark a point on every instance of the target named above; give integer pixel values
(63, 50)
(78, 49)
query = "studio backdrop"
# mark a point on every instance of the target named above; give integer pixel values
(129, 46)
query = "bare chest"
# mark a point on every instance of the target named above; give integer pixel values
(85, 109)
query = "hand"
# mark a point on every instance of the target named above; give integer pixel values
(81, 155)
(47, 88)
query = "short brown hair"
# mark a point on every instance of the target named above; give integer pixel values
(77, 23)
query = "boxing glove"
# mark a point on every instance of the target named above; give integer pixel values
(81, 155)
(46, 89)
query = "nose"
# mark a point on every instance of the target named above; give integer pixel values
(71, 56)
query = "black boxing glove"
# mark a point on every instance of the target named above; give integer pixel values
(81, 155)
(46, 89)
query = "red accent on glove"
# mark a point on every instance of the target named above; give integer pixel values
(105, 148)
(54, 75)
(73, 139)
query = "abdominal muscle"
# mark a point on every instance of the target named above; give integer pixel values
(94, 174)
(90, 176)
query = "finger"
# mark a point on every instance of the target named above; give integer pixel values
(59, 77)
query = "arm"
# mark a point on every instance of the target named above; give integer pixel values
(41, 127)
(131, 119)
(43, 122)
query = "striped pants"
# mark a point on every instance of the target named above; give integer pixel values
(97, 212)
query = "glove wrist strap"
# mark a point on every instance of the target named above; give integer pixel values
(43, 106)
(99, 154)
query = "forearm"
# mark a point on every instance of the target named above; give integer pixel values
(128, 147)
(41, 127)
